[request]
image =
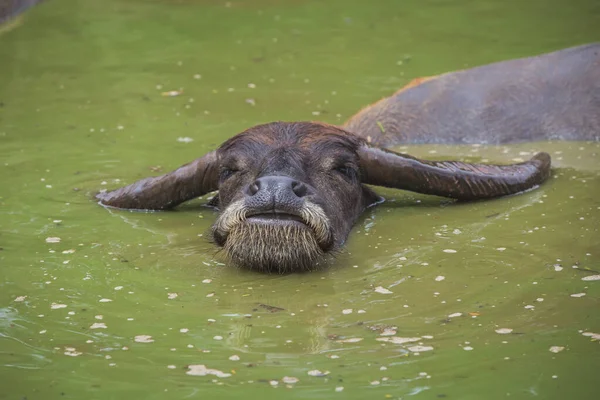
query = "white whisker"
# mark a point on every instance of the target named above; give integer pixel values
(234, 214)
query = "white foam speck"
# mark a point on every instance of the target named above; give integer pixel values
(143, 339)
(382, 290)
(418, 349)
(591, 278)
(201, 370)
(290, 380)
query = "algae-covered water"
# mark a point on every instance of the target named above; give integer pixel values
(430, 300)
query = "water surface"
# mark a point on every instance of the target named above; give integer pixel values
(108, 304)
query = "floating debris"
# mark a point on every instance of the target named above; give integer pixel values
(556, 349)
(594, 336)
(382, 290)
(184, 330)
(20, 298)
(53, 239)
(72, 351)
(290, 380)
(185, 139)
(143, 339)
(234, 357)
(504, 331)
(339, 388)
(349, 340)
(449, 251)
(98, 325)
(591, 278)
(578, 295)
(347, 311)
(171, 93)
(270, 308)
(201, 370)
(454, 315)
(104, 300)
(440, 278)
(418, 349)
(316, 372)
(56, 306)
(398, 340)
(207, 281)
(172, 296)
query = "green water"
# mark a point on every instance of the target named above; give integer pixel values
(81, 107)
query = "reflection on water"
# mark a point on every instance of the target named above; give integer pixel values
(430, 299)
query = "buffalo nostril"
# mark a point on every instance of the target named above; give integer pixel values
(299, 189)
(254, 188)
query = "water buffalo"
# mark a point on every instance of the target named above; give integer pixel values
(289, 192)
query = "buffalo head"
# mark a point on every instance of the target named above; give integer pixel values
(289, 193)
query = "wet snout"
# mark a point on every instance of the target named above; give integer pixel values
(276, 195)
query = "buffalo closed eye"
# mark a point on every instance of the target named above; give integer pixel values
(226, 173)
(346, 171)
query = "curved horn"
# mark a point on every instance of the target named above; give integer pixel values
(167, 191)
(452, 179)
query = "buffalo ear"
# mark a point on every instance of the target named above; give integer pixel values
(452, 179)
(167, 191)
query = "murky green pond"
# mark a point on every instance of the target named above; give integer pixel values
(430, 300)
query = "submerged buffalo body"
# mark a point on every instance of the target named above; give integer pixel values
(289, 192)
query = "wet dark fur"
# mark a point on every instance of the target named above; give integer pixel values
(553, 96)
